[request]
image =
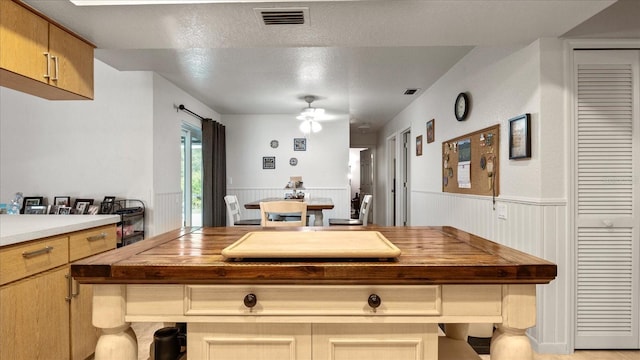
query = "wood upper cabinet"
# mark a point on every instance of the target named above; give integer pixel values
(40, 58)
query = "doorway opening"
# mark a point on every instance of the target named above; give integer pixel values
(191, 175)
(361, 177)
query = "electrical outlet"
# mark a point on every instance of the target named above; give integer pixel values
(502, 211)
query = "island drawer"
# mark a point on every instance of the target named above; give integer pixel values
(20, 261)
(93, 241)
(313, 300)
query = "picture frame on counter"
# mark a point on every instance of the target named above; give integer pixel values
(62, 200)
(82, 205)
(106, 207)
(64, 210)
(31, 201)
(36, 209)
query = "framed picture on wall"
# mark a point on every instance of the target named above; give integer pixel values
(431, 128)
(300, 144)
(520, 137)
(419, 145)
(268, 162)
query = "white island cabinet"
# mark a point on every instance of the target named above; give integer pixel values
(44, 313)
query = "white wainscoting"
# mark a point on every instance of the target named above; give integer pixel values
(538, 227)
(341, 198)
(166, 213)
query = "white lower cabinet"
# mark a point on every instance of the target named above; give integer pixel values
(269, 341)
(249, 341)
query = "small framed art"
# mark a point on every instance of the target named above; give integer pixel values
(36, 209)
(431, 130)
(62, 201)
(268, 162)
(520, 137)
(82, 205)
(419, 145)
(31, 201)
(106, 207)
(300, 144)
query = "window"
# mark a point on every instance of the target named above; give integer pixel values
(191, 177)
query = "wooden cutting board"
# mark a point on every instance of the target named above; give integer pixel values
(311, 245)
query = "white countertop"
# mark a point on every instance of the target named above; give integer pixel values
(18, 228)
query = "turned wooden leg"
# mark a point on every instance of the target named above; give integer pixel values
(509, 341)
(117, 339)
(456, 331)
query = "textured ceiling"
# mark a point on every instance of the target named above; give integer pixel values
(357, 57)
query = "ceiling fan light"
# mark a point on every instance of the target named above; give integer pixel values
(305, 126)
(315, 126)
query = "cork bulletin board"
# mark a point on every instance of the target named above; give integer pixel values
(471, 163)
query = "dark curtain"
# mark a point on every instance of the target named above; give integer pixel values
(214, 173)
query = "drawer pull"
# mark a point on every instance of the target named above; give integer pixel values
(374, 301)
(29, 254)
(97, 237)
(250, 300)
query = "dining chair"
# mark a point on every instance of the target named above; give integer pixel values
(285, 209)
(233, 212)
(363, 219)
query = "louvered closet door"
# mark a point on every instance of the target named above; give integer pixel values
(607, 221)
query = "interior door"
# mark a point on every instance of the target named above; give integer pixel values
(366, 176)
(405, 176)
(606, 199)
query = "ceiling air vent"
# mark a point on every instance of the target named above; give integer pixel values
(283, 16)
(411, 91)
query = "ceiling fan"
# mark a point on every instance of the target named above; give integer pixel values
(310, 116)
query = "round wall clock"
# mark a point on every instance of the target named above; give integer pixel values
(293, 161)
(461, 108)
(274, 143)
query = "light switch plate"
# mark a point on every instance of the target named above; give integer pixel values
(502, 211)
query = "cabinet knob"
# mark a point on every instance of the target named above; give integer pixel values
(250, 300)
(374, 301)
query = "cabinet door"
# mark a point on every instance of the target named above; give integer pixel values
(73, 66)
(35, 317)
(84, 335)
(249, 341)
(379, 341)
(24, 37)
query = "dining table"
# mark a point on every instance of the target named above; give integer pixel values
(350, 292)
(315, 206)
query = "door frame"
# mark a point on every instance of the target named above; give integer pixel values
(391, 143)
(405, 175)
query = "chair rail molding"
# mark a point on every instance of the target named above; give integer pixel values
(535, 226)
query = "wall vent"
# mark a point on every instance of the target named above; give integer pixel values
(411, 91)
(283, 16)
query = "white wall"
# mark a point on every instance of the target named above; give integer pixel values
(85, 149)
(167, 122)
(125, 143)
(502, 83)
(323, 167)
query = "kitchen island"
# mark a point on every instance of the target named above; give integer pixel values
(316, 308)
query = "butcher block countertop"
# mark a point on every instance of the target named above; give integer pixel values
(429, 255)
